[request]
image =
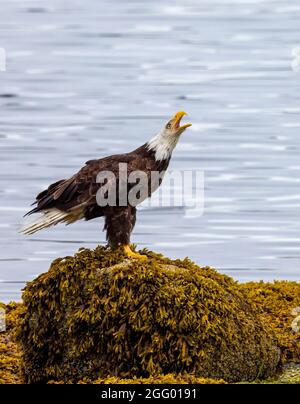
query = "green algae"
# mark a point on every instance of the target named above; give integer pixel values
(98, 314)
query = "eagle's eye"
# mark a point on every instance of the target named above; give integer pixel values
(168, 126)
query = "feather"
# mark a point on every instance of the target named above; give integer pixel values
(50, 217)
(162, 146)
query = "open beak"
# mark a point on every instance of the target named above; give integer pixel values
(177, 118)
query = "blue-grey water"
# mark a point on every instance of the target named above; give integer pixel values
(85, 79)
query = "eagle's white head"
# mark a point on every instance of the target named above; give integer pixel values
(163, 144)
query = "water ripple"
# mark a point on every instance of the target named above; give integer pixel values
(85, 81)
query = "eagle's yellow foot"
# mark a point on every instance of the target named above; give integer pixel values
(133, 255)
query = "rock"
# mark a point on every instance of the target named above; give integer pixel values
(279, 307)
(98, 315)
(290, 375)
(10, 354)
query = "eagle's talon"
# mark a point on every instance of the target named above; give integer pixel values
(133, 255)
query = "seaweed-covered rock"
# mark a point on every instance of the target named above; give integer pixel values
(279, 307)
(9, 351)
(98, 314)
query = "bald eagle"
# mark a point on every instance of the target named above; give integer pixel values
(75, 198)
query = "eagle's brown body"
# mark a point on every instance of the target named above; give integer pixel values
(76, 198)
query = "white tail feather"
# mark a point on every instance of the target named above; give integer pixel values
(50, 218)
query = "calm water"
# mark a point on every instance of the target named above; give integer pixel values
(87, 79)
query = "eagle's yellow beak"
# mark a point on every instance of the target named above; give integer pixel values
(176, 121)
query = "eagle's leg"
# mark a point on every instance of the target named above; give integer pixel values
(119, 225)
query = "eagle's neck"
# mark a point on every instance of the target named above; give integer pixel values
(162, 145)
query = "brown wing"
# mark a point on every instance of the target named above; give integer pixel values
(79, 191)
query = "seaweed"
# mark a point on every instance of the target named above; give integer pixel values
(99, 315)
(10, 355)
(279, 307)
(173, 291)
